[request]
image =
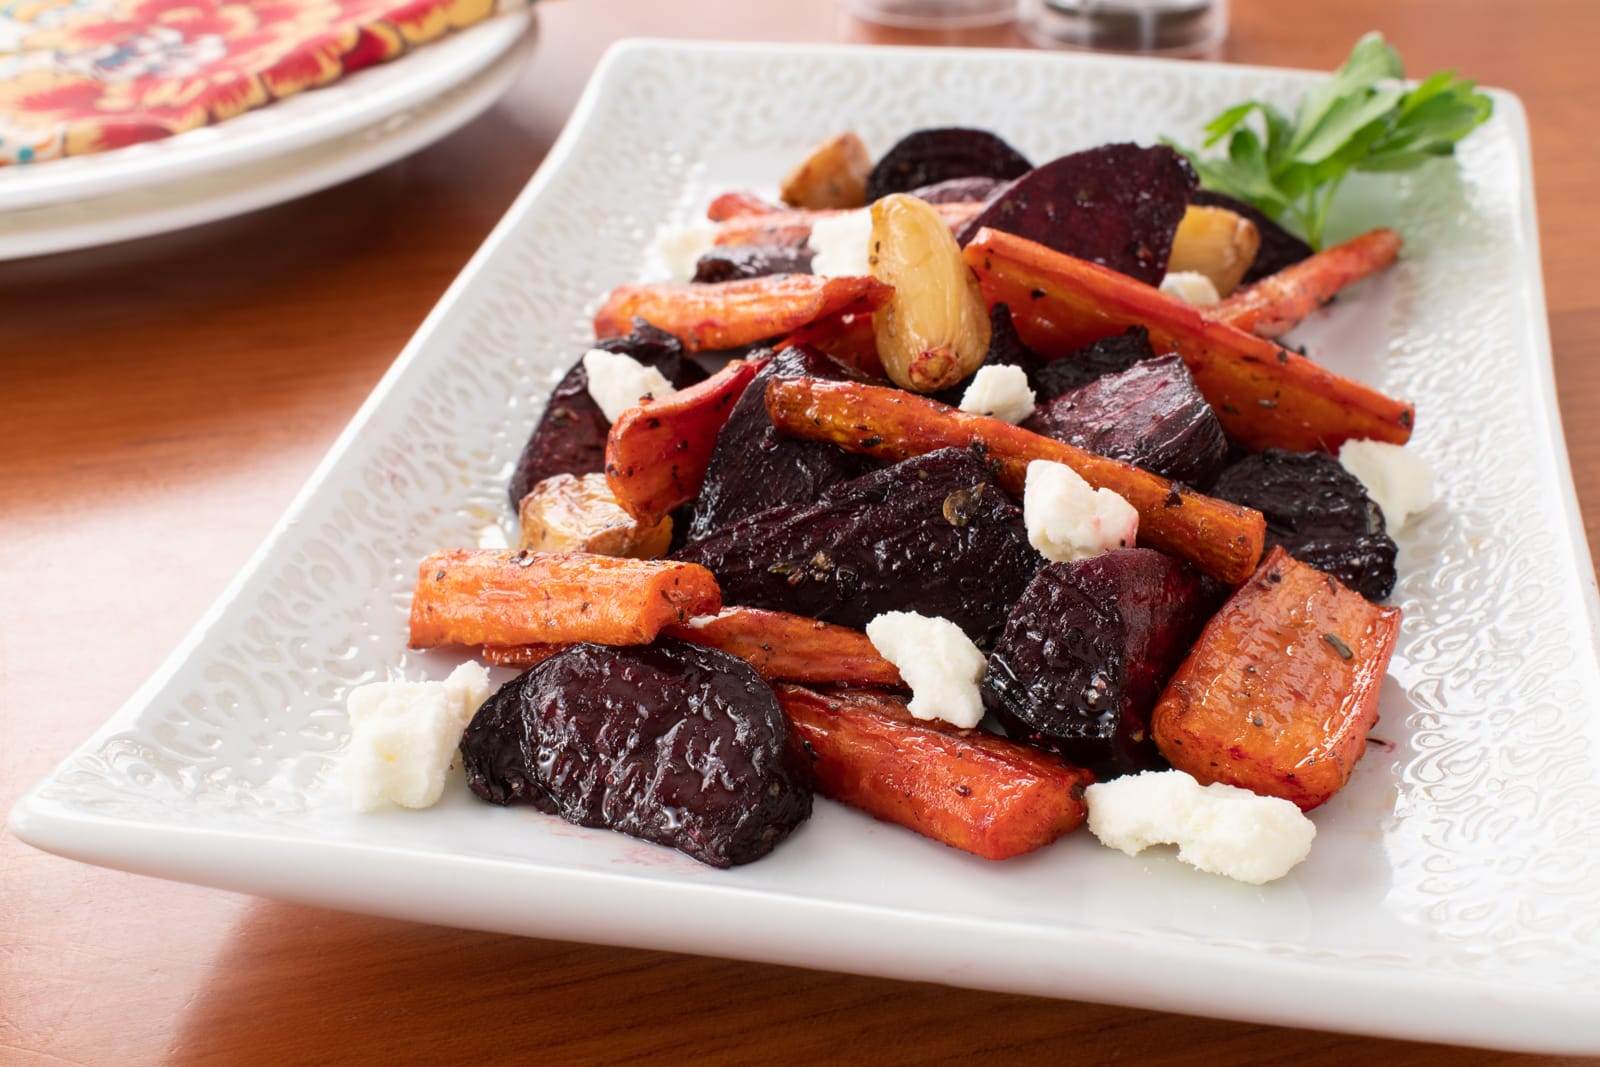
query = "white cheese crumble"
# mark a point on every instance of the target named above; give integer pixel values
(1218, 828)
(404, 734)
(1396, 478)
(842, 244)
(1001, 392)
(937, 660)
(619, 382)
(679, 249)
(1068, 520)
(1192, 287)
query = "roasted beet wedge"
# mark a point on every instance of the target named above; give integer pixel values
(928, 157)
(1117, 205)
(932, 534)
(1279, 248)
(1005, 350)
(673, 743)
(1086, 652)
(724, 264)
(1150, 415)
(1319, 512)
(958, 190)
(754, 467)
(1111, 355)
(571, 435)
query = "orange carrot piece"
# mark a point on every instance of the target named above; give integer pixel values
(1280, 691)
(1222, 539)
(738, 204)
(656, 453)
(792, 648)
(850, 339)
(470, 596)
(1277, 303)
(793, 226)
(707, 317)
(519, 656)
(1266, 396)
(968, 789)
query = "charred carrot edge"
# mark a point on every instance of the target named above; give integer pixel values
(519, 656)
(738, 204)
(970, 790)
(1223, 539)
(850, 339)
(1279, 692)
(792, 226)
(1266, 396)
(656, 453)
(1277, 303)
(719, 315)
(470, 596)
(792, 647)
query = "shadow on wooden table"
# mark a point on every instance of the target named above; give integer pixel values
(302, 985)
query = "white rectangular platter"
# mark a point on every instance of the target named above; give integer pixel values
(1454, 890)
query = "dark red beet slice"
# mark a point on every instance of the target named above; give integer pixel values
(1150, 415)
(728, 262)
(1005, 350)
(1279, 248)
(754, 467)
(1087, 650)
(1110, 355)
(673, 743)
(1118, 205)
(1319, 512)
(932, 534)
(928, 157)
(571, 435)
(958, 190)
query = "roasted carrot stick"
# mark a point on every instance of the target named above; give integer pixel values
(738, 204)
(1278, 694)
(1266, 396)
(707, 317)
(792, 647)
(481, 597)
(656, 453)
(1277, 303)
(850, 339)
(519, 656)
(1223, 539)
(970, 790)
(793, 226)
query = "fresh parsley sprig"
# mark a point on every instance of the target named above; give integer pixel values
(1360, 119)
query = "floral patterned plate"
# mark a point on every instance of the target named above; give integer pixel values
(1454, 890)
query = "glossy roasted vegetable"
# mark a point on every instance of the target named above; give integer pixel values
(1216, 242)
(1005, 350)
(567, 514)
(1109, 355)
(1150, 415)
(1086, 651)
(1278, 247)
(833, 175)
(1266, 396)
(927, 157)
(737, 313)
(973, 190)
(1276, 304)
(1222, 539)
(794, 227)
(481, 597)
(933, 331)
(571, 435)
(753, 467)
(1281, 690)
(657, 453)
(731, 262)
(675, 744)
(965, 788)
(933, 534)
(1320, 512)
(739, 204)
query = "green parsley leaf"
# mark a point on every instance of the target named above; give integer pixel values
(1360, 119)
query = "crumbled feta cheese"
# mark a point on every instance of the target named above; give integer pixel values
(404, 734)
(1396, 478)
(619, 382)
(1192, 288)
(842, 244)
(937, 660)
(1001, 392)
(1217, 828)
(1068, 520)
(679, 248)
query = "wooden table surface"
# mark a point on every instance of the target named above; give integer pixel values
(164, 399)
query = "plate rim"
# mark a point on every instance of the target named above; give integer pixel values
(1555, 1018)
